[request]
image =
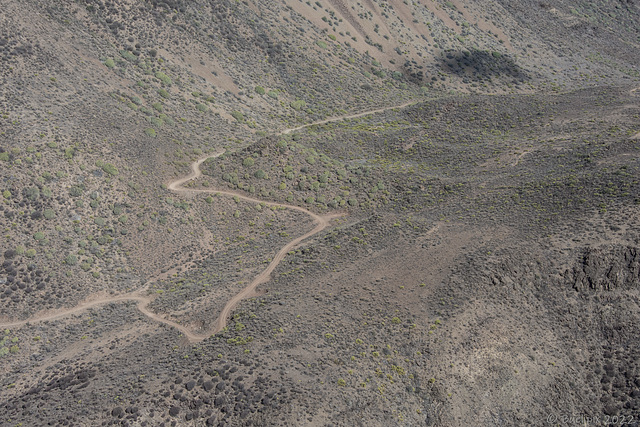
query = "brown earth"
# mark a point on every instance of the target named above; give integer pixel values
(170, 256)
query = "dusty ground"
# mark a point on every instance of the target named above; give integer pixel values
(319, 213)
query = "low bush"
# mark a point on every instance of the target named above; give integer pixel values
(163, 78)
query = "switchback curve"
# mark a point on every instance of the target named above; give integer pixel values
(177, 186)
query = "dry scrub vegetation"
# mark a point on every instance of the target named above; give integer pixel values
(475, 165)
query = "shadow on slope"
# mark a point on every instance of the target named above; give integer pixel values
(480, 65)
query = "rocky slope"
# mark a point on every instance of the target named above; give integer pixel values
(484, 269)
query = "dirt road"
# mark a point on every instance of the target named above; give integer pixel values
(322, 222)
(177, 186)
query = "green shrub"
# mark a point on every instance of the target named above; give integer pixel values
(157, 106)
(39, 235)
(202, 108)
(6, 194)
(323, 178)
(248, 162)
(110, 169)
(298, 105)
(237, 115)
(260, 90)
(123, 219)
(4, 156)
(163, 78)
(273, 94)
(150, 132)
(99, 221)
(49, 214)
(156, 121)
(109, 63)
(166, 119)
(75, 191)
(128, 55)
(33, 193)
(71, 259)
(30, 253)
(136, 100)
(322, 44)
(260, 174)
(332, 37)
(163, 93)
(146, 111)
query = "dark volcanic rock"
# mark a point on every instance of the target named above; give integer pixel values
(607, 268)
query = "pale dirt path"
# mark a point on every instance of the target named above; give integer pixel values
(322, 222)
(143, 303)
(519, 157)
(347, 117)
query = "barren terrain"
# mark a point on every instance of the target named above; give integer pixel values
(286, 212)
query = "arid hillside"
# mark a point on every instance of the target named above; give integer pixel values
(335, 212)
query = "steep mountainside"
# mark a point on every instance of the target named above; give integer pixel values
(334, 212)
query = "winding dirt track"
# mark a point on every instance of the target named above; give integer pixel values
(143, 303)
(321, 221)
(177, 186)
